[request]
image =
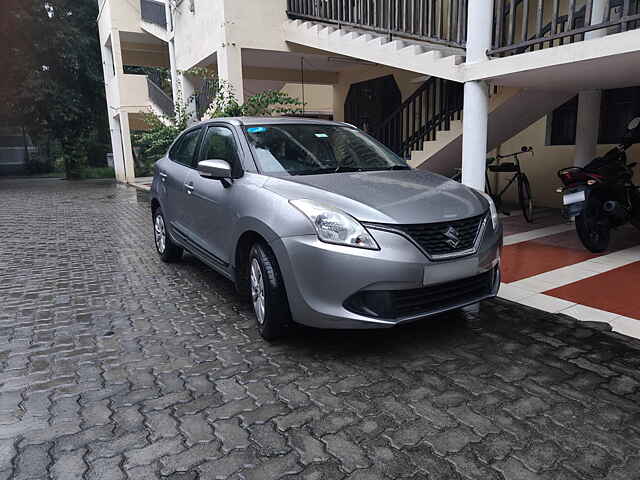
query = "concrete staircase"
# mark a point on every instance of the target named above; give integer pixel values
(511, 111)
(420, 57)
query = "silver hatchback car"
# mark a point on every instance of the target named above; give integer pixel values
(322, 225)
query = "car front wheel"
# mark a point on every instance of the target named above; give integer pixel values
(268, 294)
(168, 251)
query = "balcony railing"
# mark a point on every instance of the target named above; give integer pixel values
(153, 11)
(435, 21)
(526, 25)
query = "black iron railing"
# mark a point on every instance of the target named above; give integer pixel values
(160, 98)
(430, 109)
(436, 21)
(520, 25)
(153, 11)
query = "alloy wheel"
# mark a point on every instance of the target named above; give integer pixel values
(257, 291)
(160, 234)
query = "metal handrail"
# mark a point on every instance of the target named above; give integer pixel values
(571, 24)
(160, 98)
(436, 21)
(430, 109)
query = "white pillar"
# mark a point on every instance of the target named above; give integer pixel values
(474, 134)
(127, 148)
(588, 121)
(230, 68)
(587, 126)
(476, 96)
(116, 145)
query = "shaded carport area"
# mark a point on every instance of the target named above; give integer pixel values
(115, 365)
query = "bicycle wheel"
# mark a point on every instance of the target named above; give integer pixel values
(524, 195)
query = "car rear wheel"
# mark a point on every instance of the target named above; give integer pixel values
(268, 294)
(168, 251)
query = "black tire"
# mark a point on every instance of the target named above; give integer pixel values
(275, 319)
(525, 198)
(593, 227)
(168, 251)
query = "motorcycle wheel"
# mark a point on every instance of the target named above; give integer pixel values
(593, 227)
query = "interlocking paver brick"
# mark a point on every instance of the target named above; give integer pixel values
(195, 428)
(351, 456)
(116, 365)
(150, 453)
(70, 466)
(231, 434)
(189, 458)
(268, 441)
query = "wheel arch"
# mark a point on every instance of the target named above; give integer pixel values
(252, 231)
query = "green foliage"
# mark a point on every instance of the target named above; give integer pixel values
(52, 79)
(97, 172)
(154, 142)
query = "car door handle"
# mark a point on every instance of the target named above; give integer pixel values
(163, 176)
(189, 187)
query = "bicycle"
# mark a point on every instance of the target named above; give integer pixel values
(524, 187)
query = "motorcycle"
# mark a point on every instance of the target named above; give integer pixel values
(601, 196)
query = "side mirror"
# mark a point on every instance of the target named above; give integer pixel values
(215, 169)
(633, 124)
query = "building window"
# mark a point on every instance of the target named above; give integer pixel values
(618, 108)
(563, 123)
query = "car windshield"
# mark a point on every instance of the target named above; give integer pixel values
(308, 149)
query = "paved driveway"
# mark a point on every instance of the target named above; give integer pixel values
(114, 365)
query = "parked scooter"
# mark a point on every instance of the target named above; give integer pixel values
(602, 196)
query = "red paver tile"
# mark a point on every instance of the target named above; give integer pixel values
(526, 259)
(614, 291)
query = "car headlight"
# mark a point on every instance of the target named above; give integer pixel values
(335, 226)
(495, 220)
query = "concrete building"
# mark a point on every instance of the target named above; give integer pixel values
(560, 75)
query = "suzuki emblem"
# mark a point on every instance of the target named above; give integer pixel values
(453, 237)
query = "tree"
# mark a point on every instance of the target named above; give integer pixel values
(54, 83)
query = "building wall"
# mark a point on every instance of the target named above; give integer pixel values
(318, 98)
(247, 23)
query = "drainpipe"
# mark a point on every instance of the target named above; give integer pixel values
(172, 50)
(476, 96)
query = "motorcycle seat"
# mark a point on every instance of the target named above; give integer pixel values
(508, 167)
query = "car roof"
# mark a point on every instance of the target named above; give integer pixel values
(248, 121)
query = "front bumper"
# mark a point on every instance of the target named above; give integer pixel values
(320, 278)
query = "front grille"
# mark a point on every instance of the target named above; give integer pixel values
(433, 239)
(394, 304)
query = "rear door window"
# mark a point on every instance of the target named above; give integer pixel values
(187, 148)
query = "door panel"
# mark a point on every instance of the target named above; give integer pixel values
(182, 157)
(211, 211)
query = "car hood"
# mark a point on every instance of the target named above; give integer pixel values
(397, 196)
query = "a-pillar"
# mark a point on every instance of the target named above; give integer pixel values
(230, 69)
(588, 121)
(476, 96)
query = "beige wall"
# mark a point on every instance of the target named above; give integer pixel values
(145, 56)
(318, 98)
(246, 23)
(542, 168)
(121, 14)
